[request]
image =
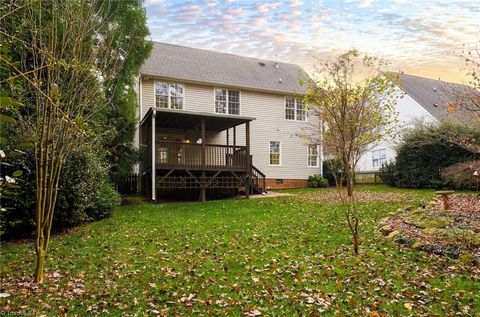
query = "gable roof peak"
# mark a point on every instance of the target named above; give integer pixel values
(434, 95)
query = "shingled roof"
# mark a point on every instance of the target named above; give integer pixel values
(203, 66)
(435, 96)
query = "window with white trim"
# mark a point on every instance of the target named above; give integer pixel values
(313, 156)
(379, 157)
(289, 108)
(275, 153)
(227, 101)
(161, 95)
(295, 109)
(168, 95)
(301, 113)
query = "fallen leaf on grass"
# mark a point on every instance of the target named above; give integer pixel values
(254, 312)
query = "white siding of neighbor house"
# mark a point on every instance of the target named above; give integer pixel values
(409, 112)
(270, 125)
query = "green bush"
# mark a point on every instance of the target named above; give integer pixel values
(317, 181)
(428, 149)
(106, 199)
(388, 173)
(85, 194)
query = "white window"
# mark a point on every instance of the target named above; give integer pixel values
(289, 108)
(301, 114)
(168, 96)
(313, 156)
(176, 96)
(227, 101)
(275, 153)
(379, 157)
(295, 109)
(161, 95)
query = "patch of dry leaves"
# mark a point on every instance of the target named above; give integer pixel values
(463, 204)
(360, 196)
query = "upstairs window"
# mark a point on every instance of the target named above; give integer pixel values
(313, 157)
(379, 157)
(301, 114)
(161, 95)
(176, 96)
(295, 109)
(275, 152)
(289, 108)
(168, 96)
(227, 101)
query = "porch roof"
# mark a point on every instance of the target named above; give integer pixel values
(189, 120)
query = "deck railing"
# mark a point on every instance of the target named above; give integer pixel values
(172, 154)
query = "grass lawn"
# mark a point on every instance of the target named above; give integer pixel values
(276, 256)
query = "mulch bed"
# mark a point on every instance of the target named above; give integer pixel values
(360, 196)
(454, 232)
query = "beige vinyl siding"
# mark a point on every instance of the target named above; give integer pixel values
(200, 98)
(197, 98)
(148, 96)
(270, 125)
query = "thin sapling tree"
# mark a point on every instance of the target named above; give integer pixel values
(355, 101)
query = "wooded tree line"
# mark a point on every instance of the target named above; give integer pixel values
(72, 66)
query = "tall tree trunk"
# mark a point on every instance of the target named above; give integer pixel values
(350, 183)
(48, 176)
(39, 269)
(42, 235)
(350, 186)
(335, 178)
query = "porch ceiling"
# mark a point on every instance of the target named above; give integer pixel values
(188, 120)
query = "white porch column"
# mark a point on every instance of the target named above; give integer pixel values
(154, 165)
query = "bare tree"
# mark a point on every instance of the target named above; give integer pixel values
(466, 98)
(355, 101)
(68, 61)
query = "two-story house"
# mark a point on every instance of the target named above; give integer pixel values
(211, 120)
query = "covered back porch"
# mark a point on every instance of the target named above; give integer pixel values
(176, 142)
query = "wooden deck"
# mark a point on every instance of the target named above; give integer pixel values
(168, 164)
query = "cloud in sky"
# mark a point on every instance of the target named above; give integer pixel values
(419, 37)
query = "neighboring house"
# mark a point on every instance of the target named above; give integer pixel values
(222, 121)
(426, 100)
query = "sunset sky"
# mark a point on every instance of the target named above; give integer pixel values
(418, 37)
